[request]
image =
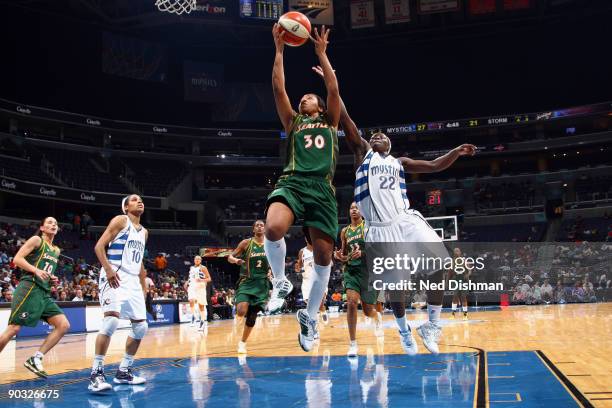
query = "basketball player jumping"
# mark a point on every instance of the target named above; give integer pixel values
(380, 193)
(355, 278)
(120, 251)
(305, 266)
(196, 290)
(305, 188)
(252, 293)
(37, 259)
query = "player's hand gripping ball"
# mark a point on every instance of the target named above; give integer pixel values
(296, 28)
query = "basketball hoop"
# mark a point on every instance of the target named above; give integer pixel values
(177, 7)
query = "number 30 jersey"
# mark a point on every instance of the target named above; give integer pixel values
(312, 148)
(380, 188)
(126, 250)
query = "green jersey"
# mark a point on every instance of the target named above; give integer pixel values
(313, 148)
(44, 258)
(355, 239)
(256, 263)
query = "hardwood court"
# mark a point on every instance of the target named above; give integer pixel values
(574, 341)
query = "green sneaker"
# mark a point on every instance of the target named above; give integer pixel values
(35, 365)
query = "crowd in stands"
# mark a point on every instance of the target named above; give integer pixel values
(507, 194)
(575, 273)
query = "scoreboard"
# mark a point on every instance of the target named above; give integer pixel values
(492, 121)
(434, 198)
(261, 9)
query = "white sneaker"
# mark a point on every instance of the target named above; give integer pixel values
(353, 350)
(430, 333)
(242, 347)
(280, 289)
(408, 342)
(97, 382)
(378, 325)
(308, 330)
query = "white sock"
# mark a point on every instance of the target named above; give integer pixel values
(434, 313)
(39, 355)
(353, 343)
(454, 306)
(204, 314)
(402, 324)
(276, 252)
(464, 308)
(98, 362)
(319, 286)
(126, 362)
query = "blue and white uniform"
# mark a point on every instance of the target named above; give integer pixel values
(197, 287)
(125, 254)
(380, 194)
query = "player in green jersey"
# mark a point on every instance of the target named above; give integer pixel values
(305, 191)
(355, 277)
(32, 301)
(253, 290)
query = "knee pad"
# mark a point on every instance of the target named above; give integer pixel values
(139, 329)
(109, 325)
(251, 316)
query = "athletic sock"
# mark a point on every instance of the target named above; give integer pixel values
(39, 355)
(353, 343)
(126, 362)
(320, 280)
(276, 252)
(434, 313)
(98, 362)
(454, 306)
(464, 308)
(402, 324)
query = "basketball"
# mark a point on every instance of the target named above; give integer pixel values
(296, 27)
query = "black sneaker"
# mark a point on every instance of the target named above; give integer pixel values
(97, 381)
(128, 377)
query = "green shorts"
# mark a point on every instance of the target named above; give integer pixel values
(30, 304)
(311, 199)
(253, 291)
(356, 278)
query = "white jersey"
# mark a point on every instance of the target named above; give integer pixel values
(194, 274)
(126, 250)
(307, 263)
(380, 188)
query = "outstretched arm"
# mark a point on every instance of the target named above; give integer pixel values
(438, 164)
(234, 256)
(331, 82)
(356, 144)
(283, 105)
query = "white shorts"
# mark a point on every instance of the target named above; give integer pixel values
(197, 294)
(408, 227)
(127, 300)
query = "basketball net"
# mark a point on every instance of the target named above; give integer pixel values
(177, 7)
